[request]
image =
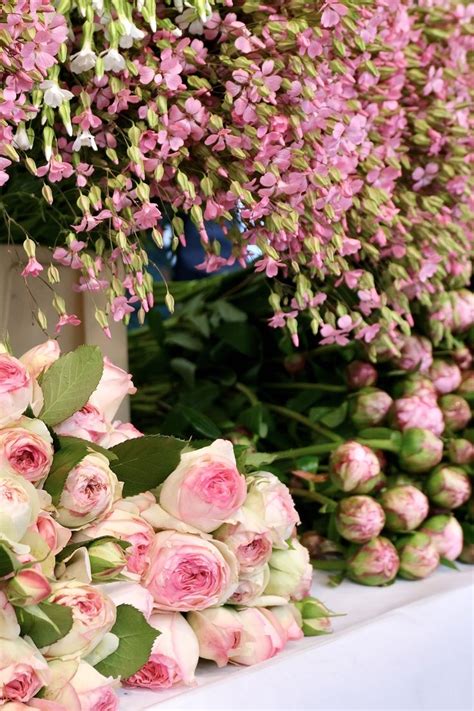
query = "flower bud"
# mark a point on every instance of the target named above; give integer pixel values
(107, 559)
(461, 451)
(448, 486)
(359, 518)
(446, 535)
(405, 508)
(414, 411)
(353, 464)
(445, 376)
(462, 310)
(295, 363)
(416, 384)
(418, 556)
(28, 587)
(420, 450)
(360, 375)
(291, 572)
(370, 408)
(315, 617)
(374, 563)
(462, 357)
(415, 354)
(456, 412)
(467, 554)
(467, 384)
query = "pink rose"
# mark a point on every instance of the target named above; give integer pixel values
(93, 690)
(26, 450)
(262, 637)
(187, 572)
(269, 502)
(41, 704)
(87, 423)
(23, 671)
(415, 354)
(115, 384)
(53, 534)
(9, 627)
(219, 631)
(409, 412)
(446, 377)
(251, 587)
(119, 432)
(19, 506)
(252, 548)
(39, 358)
(124, 593)
(93, 615)
(90, 490)
(174, 656)
(16, 389)
(126, 526)
(353, 465)
(206, 489)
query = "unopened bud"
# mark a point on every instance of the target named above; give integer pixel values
(456, 412)
(448, 487)
(370, 408)
(446, 534)
(405, 508)
(28, 587)
(359, 518)
(360, 375)
(351, 465)
(418, 556)
(107, 559)
(374, 563)
(420, 450)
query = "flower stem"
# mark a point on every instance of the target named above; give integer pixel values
(313, 496)
(298, 417)
(384, 444)
(251, 397)
(324, 387)
(325, 448)
(329, 565)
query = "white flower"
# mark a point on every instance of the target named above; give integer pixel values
(84, 60)
(21, 139)
(98, 6)
(113, 61)
(54, 96)
(131, 32)
(84, 139)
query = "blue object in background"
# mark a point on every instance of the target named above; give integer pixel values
(188, 257)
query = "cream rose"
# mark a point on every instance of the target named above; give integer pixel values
(16, 389)
(19, 506)
(23, 671)
(270, 502)
(219, 631)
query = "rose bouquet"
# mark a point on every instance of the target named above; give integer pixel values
(124, 558)
(334, 137)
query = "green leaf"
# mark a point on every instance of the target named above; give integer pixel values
(8, 561)
(336, 417)
(229, 313)
(468, 531)
(185, 369)
(254, 419)
(136, 638)
(201, 423)
(184, 340)
(145, 462)
(255, 460)
(240, 336)
(376, 433)
(448, 563)
(44, 623)
(68, 384)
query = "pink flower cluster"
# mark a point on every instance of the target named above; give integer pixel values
(341, 135)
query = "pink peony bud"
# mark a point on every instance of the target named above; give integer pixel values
(420, 450)
(462, 310)
(370, 408)
(374, 563)
(456, 412)
(405, 508)
(409, 412)
(415, 354)
(467, 554)
(461, 451)
(352, 465)
(28, 587)
(419, 385)
(360, 375)
(467, 383)
(317, 545)
(446, 535)
(359, 518)
(462, 357)
(418, 556)
(445, 376)
(448, 487)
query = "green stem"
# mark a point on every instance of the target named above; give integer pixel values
(329, 565)
(298, 417)
(306, 386)
(303, 451)
(385, 444)
(313, 496)
(251, 397)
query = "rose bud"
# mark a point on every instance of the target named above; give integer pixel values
(316, 617)
(374, 563)
(415, 354)
(445, 376)
(420, 450)
(23, 671)
(360, 374)
(219, 631)
(251, 548)
(351, 465)
(467, 554)
(418, 556)
(467, 384)
(446, 535)
(251, 586)
(89, 492)
(16, 389)
(39, 358)
(206, 489)
(359, 518)
(405, 508)
(270, 502)
(462, 357)
(461, 451)
(419, 385)
(291, 573)
(28, 587)
(87, 423)
(290, 620)
(370, 408)
(317, 545)
(262, 637)
(456, 412)
(107, 560)
(411, 412)
(448, 487)
(174, 655)
(93, 615)
(187, 572)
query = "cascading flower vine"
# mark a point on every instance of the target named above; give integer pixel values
(340, 134)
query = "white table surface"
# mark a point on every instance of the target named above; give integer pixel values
(405, 647)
